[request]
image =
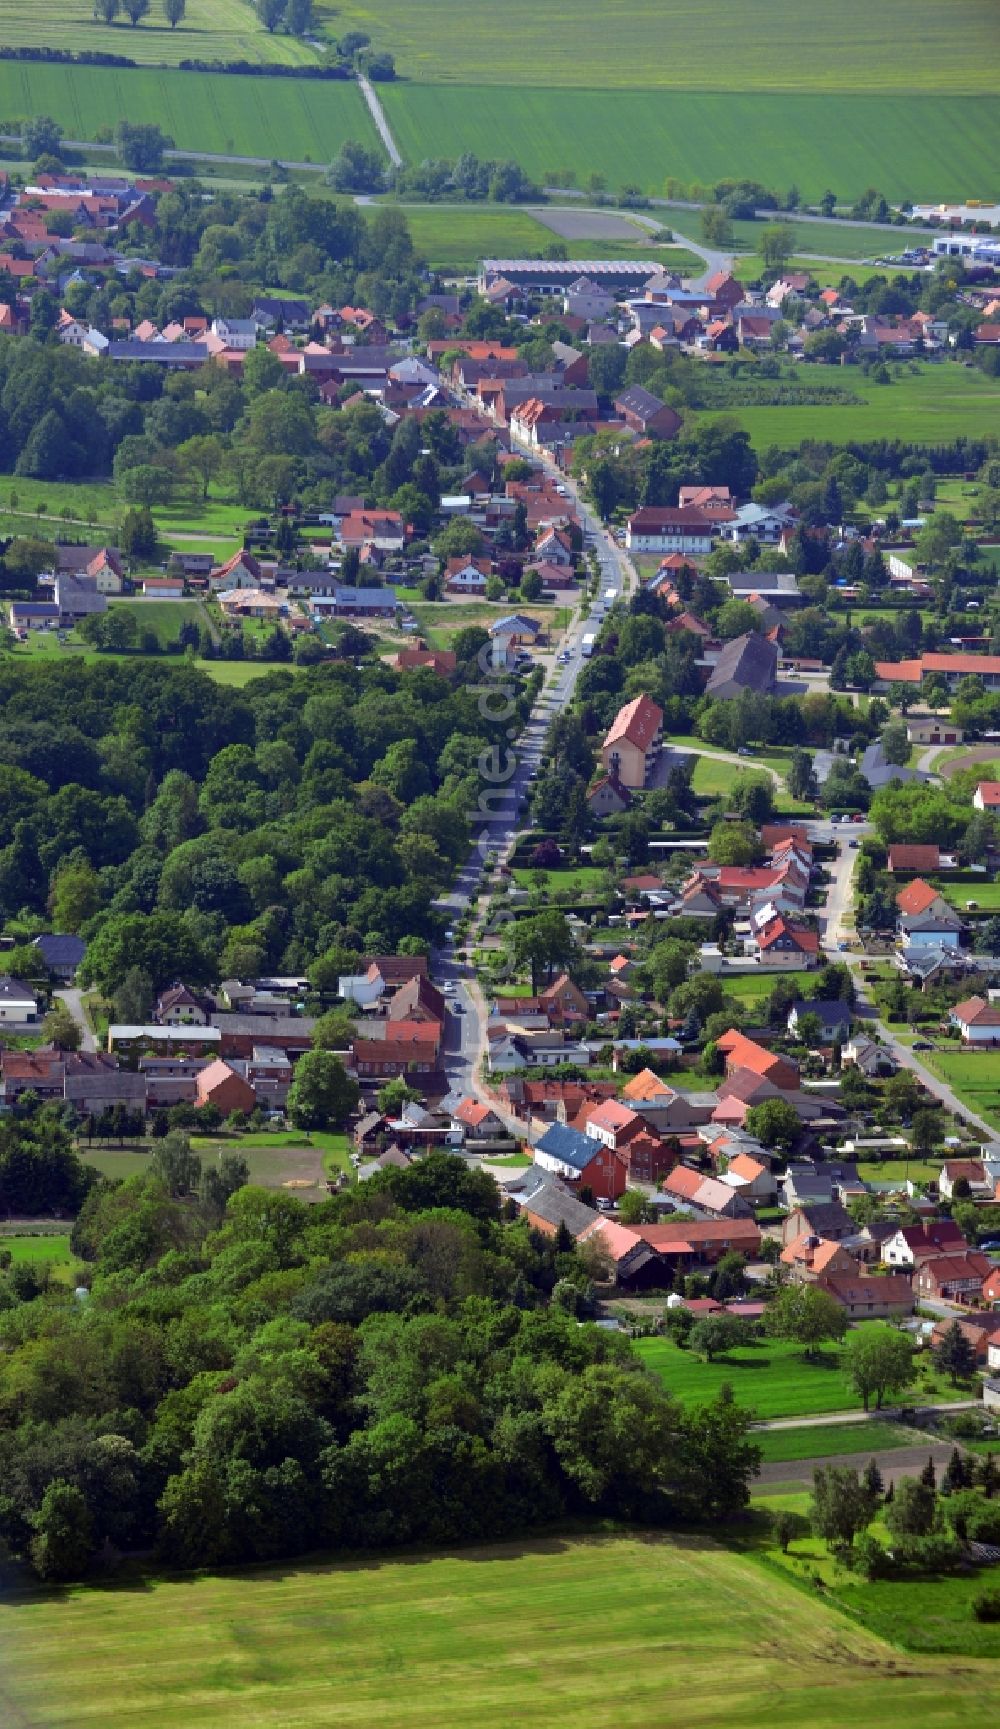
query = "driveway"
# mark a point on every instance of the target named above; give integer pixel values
(73, 1000)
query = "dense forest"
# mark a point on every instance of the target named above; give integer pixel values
(250, 1377)
(188, 830)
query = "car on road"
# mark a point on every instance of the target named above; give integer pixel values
(459, 1010)
(855, 844)
(449, 935)
(743, 751)
(922, 1045)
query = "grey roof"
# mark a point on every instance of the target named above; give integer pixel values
(274, 1026)
(551, 1202)
(163, 353)
(834, 1015)
(570, 1146)
(267, 306)
(61, 951)
(13, 991)
(878, 772)
(826, 1216)
(638, 400)
(747, 663)
(764, 582)
(380, 597)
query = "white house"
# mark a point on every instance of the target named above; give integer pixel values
(670, 530)
(977, 1020)
(17, 1003)
(758, 522)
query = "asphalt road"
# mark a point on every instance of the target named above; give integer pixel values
(74, 1003)
(893, 1462)
(496, 829)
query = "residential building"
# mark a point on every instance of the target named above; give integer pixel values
(747, 663)
(987, 795)
(870, 1299)
(608, 797)
(828, 1221)
(645, 414)
(581, 1160)
(632, 743)
(949, 668)
(910, 1244)
(741, 1052)
(834, 1018)
(952, 1278)
(18, 1004)
(62, 954)
(977, 1020)
(220, 1085)
(660, 529)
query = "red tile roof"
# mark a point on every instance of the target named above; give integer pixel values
(638, 722)
(916, 897)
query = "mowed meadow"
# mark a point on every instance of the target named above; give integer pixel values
(215, 112)
(635, 1632)
(913, 147)
(209, 30)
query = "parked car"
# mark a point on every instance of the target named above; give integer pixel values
(922, 1045)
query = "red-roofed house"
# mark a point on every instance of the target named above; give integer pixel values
(906, 859)
(633, 741)
(869, 1299)
(918, 898)
(953, 1278)
(480, 1121)
(987, 795)
(743, 1053)
(977, 1020)
(783, 944)
(221, 1086)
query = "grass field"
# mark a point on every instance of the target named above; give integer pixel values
(164, 617)
(51, 1250)
(752, 988)
(528, 1634)
(934, 404)
(782, 1446)
(210, 30)
(985, 895)
(974, 1076)
(772, 1377)
(286, 117)
(857, 46)
(643, 135)
(921, 1615)
(833, 239)
(585, 879)
(897, 1170)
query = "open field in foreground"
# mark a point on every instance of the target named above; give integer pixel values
(210, 30)
(606, 1633)
(856, 46)
(932, 405)
(297, 118)
(641, 136)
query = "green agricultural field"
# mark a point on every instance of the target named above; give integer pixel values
(287, 117)
(528, 1633)
(642, 136)
(210, 30)
(854, 47)
(773, 1377)
(782, 1446)
(116, 1162)
(930, 405)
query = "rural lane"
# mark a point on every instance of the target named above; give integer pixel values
(73, 1001)
(887, 1413)
(378, 114)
